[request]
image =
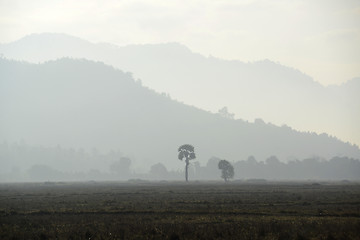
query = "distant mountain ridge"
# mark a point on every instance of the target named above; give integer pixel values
(81, 103)
(263, 89)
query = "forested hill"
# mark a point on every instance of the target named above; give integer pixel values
(85, 104)
(262, 89)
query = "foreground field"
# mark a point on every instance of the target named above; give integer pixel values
(179, 211)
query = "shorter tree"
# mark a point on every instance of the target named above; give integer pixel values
(227, 170)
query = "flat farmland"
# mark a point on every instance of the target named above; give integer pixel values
(175, 210)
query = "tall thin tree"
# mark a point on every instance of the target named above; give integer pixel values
(186, 152)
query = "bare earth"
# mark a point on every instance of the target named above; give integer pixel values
(175, 210)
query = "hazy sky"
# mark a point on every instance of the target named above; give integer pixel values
(318, 37)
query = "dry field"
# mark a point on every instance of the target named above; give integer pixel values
(174, 210)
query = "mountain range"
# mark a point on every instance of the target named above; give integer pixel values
(263, 89)
(85, 104)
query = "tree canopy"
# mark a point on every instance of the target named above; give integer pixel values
(186, 151)
(227, 170)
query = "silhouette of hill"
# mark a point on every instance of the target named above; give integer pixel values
(263, 89)
(86, 104)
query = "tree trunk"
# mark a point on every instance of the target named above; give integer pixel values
(186, 169)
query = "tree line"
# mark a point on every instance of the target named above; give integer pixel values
(18, 164)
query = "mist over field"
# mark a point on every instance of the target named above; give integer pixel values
(83, 120)
(113, 91)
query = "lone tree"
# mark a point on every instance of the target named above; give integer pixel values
(227, 170)
(186, 151)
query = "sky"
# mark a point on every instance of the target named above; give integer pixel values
(318, 37)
